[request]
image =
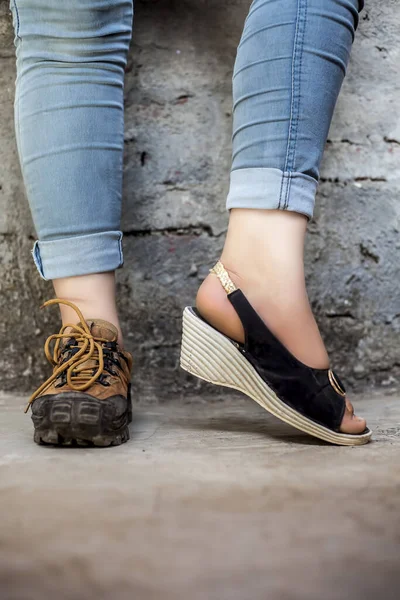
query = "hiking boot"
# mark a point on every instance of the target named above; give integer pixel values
(87, 400)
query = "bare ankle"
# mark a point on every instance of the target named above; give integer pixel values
(263, 255)
(93, 294)
(290, 318)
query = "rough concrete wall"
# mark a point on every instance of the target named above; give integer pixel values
(178, 127)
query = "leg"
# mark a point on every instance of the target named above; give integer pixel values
(69, 125)
(290, 65)
(69, 122)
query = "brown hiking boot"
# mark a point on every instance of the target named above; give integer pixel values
(86, 401)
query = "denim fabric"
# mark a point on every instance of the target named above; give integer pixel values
(69, 117)
(289, 68)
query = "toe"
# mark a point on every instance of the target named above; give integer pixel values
(350, 422)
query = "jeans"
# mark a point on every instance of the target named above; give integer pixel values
(69, 117)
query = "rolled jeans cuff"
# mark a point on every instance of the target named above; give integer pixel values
(272, 189)
(78, 255)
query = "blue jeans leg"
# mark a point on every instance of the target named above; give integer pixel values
(69, 119)
(290, 65)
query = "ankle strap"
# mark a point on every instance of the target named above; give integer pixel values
(226, 282)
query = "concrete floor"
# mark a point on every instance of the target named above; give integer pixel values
(208, 501)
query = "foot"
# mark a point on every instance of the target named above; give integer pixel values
(86, 401)
(285, 311)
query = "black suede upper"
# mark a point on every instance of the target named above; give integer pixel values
(305, 389)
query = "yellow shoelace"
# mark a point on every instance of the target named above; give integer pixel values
(78, 379)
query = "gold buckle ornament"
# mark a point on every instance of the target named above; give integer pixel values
(335, 384)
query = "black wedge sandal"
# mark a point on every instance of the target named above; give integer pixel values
(312, 400)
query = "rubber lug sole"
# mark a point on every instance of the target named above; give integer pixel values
(76, 419)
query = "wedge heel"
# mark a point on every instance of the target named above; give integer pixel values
(208, 354)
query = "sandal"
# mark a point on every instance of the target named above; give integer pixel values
(312, 400)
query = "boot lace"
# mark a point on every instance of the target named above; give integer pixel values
(85, 347)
